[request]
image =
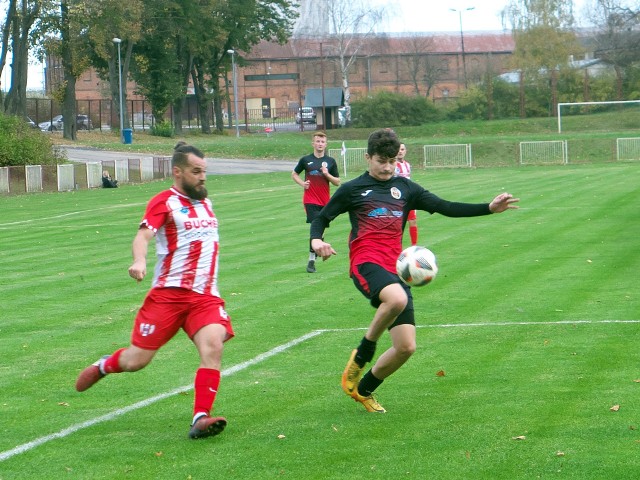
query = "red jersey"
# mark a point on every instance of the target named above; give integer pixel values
(318, 191)
(186, 242)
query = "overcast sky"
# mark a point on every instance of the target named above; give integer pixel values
(436, 16)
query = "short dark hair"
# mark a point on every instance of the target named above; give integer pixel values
(384, 143)
(181, 154)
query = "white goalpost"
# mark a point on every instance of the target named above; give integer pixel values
(353, 159)
(573, 104)
(454, 155)
(544, 152)
(627, 149)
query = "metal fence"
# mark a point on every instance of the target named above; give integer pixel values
(103, 115)
(76, 176)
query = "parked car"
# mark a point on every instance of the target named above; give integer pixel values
(306, 115)
(30, 122)
(83, 122)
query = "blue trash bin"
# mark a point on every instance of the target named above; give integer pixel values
(127, 135)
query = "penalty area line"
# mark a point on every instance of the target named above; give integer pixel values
(25, 447)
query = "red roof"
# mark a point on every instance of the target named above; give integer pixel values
(442, 43)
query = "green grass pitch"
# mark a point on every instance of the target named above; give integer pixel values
(532, 322)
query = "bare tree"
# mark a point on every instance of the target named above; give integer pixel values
(617, 39)
(420, 66)
(351, 23)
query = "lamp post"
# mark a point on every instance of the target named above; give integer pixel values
(118, 41)
(464, 62)
(235, 89)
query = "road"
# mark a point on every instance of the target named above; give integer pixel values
(215, 166)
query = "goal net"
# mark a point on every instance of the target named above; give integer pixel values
(455, 155)
(581, 116)
(549, 152)
(353, 160)
(627, 149)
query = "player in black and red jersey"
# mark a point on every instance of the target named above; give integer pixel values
(319, 170)
(378, 204)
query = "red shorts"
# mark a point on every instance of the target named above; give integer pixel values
(167, 310)
(412, 215)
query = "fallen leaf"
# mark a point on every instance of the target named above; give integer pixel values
(559, 454)
(637, 381)
(158, 454)
(440, 373)
(63, 404)
(519, 437)
(335, 429)
(589, 261)
(281, 436)
(615, 408)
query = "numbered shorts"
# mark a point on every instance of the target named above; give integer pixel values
(167, 310)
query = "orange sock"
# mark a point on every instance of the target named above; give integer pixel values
(206, 387)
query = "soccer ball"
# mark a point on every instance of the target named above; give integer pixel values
(416, 266)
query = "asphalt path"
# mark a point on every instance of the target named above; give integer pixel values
(215, 166)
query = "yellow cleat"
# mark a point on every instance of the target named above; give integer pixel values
(351, 375)
(370, 403)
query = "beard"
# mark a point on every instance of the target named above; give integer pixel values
(194, 192)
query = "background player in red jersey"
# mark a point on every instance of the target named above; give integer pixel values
(319, 171)
(378, 203)
(184, 292)
(403, 169)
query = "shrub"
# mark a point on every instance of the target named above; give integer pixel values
(392, 109)
(20, 144)
(163, 129)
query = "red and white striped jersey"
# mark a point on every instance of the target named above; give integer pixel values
(403, 169)
(187, 242)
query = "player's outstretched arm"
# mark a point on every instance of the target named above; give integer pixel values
(503, 202)
(322, 248)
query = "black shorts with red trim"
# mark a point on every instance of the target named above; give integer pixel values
(371, 278)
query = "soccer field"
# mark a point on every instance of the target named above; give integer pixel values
(527, 363)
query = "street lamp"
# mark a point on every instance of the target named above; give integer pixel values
(235, 89)
(117, 41)
(464, 62)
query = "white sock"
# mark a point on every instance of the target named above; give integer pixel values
(312, 257)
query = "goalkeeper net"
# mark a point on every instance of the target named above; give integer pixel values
(455, 155)
(627, 149)
(548, 152)
(353, 160)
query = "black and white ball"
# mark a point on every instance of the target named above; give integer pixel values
(416, 266)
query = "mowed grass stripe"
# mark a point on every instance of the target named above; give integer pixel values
(457, 428)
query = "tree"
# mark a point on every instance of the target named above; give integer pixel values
(102, 22)
(422, 67)
(617, 41)
(543, 35)
(189, 39)
(351, 22)
(20, 19)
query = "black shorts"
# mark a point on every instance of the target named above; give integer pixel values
(370, 279)
(312, 211)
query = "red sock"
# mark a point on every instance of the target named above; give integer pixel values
(206, 386)
(413, 233)
(112, 364)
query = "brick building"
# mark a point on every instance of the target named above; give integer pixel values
(274, 78)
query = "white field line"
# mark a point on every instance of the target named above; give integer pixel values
(25, 447)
